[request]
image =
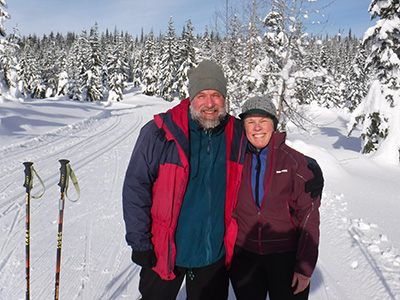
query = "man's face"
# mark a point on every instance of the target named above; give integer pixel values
(259, 129)
(208, 108)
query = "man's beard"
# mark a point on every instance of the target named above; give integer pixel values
(207, 123)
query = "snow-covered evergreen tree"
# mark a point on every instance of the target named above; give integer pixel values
(235, 65)
(137, 65)
(50, 64)
(205, 47)
(168, 65)
(6, 52)
(94, 75)
(117, 69)
(311, 75)
(158, 54)
(3, 15)
(149, 80)
(329, 93)
(186, 59)
(25, 73)
(82, 54)
(62, 77)
(9, 65)
(357, 85)
(75, 70)
(131, 49)
(30, 81)
(379, 112)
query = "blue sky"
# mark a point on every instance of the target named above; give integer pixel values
(43, 16)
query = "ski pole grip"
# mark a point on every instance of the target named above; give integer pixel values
(63, 174)
(28, 175)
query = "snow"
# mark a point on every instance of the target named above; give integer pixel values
(360, 245)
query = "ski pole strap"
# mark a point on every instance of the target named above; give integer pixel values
(66, 173)
(75, 182)
(28, 184)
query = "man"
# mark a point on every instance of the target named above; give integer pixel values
(278, 222)
(178, 192)
(179, 189)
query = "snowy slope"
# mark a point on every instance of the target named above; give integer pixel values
(359, 252)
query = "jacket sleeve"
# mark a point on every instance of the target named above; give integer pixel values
(307, 214)
(137, 189)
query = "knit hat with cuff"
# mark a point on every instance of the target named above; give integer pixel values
(260, 105)
(207, 76)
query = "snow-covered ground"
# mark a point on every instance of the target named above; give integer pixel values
(360, 245)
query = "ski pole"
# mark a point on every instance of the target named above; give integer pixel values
(65, 173)
(28, 184)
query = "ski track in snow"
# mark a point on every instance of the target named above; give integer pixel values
(95, 261)
(91, 258)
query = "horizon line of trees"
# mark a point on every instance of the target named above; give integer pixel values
(90, 66)
(268, 51)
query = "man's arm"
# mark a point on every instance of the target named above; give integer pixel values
(308, 221)
(137, 190)
(315, 185)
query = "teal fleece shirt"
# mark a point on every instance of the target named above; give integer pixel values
(201, 228)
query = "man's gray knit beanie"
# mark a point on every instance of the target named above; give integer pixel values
(207, 76)
(260, 105)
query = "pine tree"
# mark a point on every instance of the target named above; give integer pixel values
(137, 66)
(30, 81)
(62, 77)
(82, 67)
(75, 69)
(3, 15)
(186, 59)
(379, 112)
(311, 74)
(9, 64)
(168, 66)
(94, 75)
(357, 85)
(131, 49)
(117, 69)
(50, 64)
(149, 80)
(235, 65)
(205, 47)
(26, 71)
(6, 52)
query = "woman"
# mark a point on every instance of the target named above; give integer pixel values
(278, 222)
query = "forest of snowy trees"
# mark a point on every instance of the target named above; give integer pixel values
(262, 50)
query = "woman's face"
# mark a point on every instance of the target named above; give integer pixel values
(259, 129)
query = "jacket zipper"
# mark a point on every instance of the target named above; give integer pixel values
(209, 223)
(304, 236)
(272, 144)
(259, 232)
(258, 171)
